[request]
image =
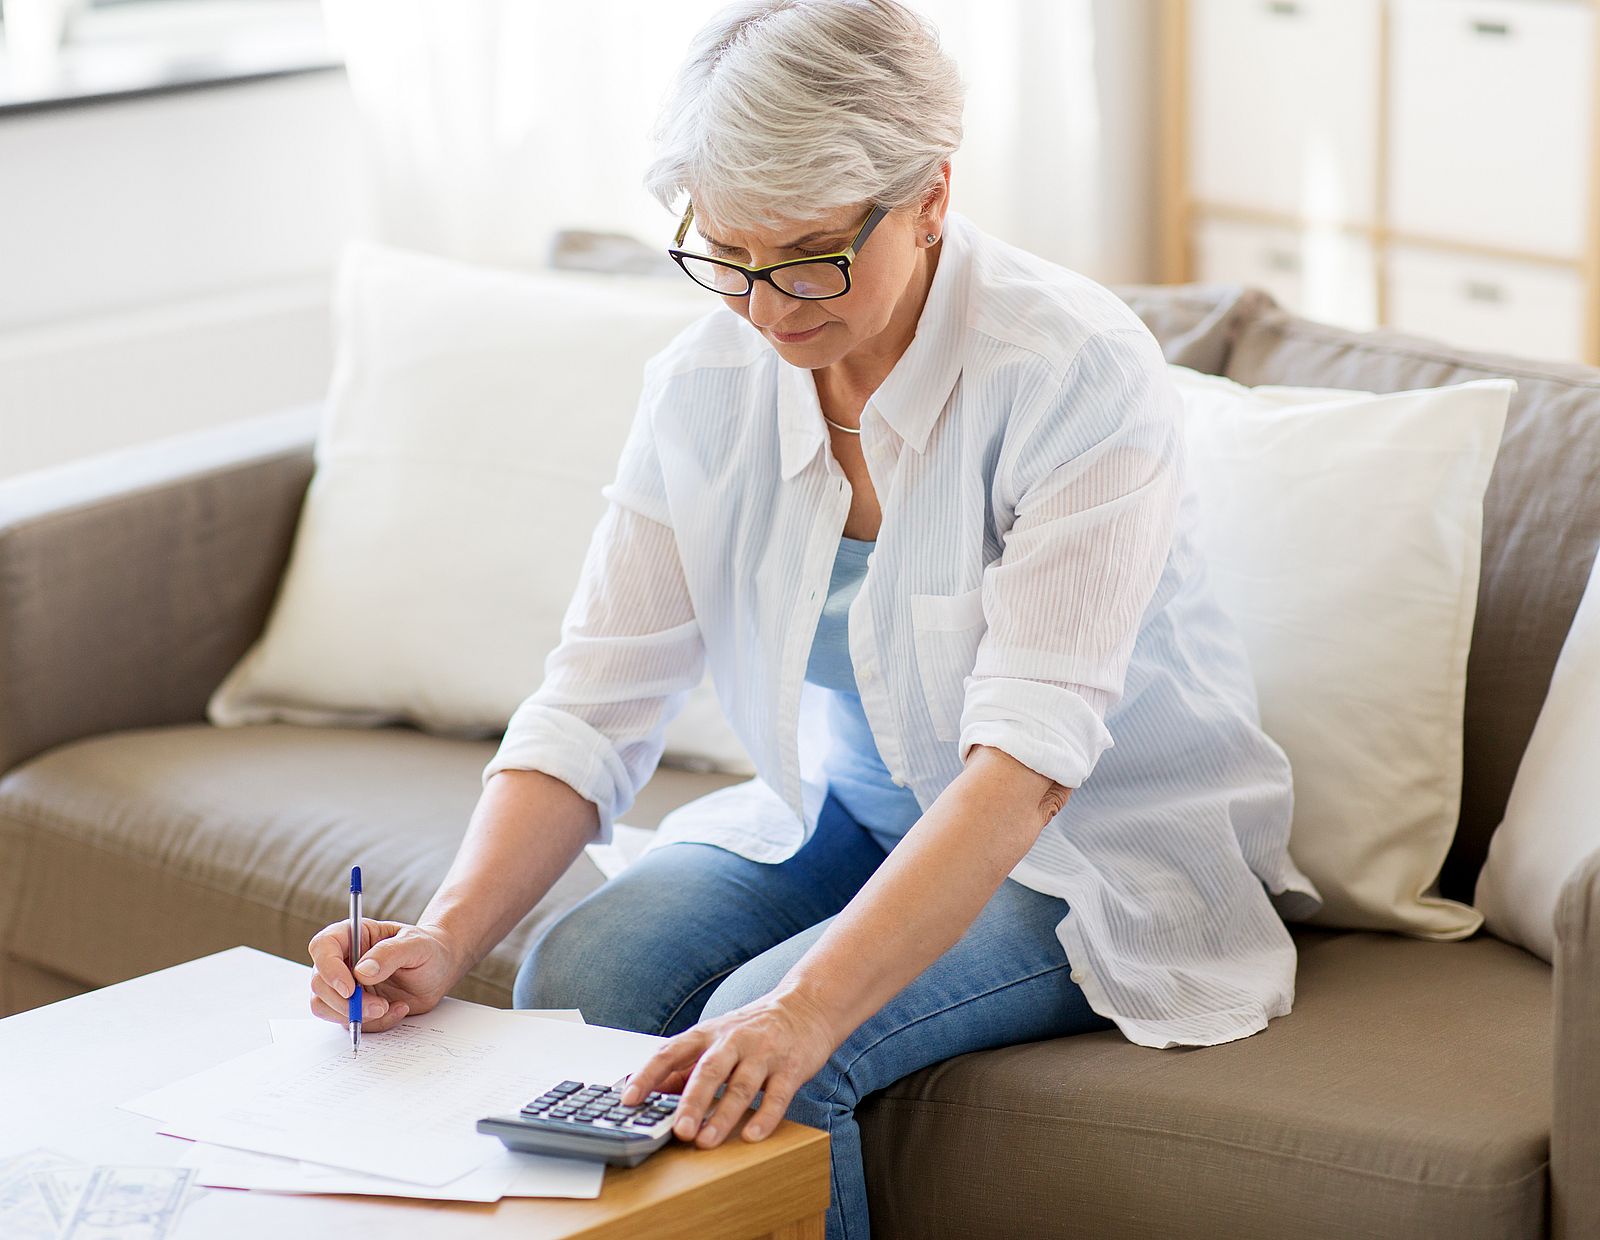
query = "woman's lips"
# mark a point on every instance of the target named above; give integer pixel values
(797, 337)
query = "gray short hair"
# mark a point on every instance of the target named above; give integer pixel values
(789, 109)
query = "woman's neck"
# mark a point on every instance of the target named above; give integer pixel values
(847, 383)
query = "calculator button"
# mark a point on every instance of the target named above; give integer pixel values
(566, 1087)
(645, 1121)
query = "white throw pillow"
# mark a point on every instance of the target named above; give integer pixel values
(474, 415)
(1342, 531)
(1552, 824)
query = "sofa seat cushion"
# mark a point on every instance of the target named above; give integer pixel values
(136, 850)
(1407, 1094)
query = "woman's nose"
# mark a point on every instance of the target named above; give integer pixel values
(768, 306)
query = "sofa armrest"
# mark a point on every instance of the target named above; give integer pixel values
(132, 581)
(1575, 1133)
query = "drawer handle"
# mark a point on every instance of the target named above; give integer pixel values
(1283, 8)
(1477, 290)
(1495, 28)
(1282, 260)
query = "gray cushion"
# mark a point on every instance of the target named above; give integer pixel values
(132, 580)
(1407, 1094)
(1541, 527)
(135, 850)
(1196, 323)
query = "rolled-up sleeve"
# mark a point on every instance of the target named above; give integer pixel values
(630, 651)
(1097, 480)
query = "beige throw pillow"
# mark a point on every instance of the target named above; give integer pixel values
(1342, 532)
(474, 416)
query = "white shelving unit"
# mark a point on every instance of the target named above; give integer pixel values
(1431, 165)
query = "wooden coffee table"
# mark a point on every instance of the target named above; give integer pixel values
(65, 1067)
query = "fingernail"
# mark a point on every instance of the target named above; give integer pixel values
(686, 1127)
(344, 988)
(709, 1135)
(753, 1133)
(367, 968)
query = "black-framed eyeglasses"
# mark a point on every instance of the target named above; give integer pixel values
(816, 277)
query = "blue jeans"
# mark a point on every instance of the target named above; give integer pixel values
(693, 930)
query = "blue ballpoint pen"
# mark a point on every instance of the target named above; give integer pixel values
(355, 955)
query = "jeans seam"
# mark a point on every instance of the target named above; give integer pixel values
(715, 977)
(833, 1178)
(840, 1075)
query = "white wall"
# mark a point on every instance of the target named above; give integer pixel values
(165, 261)
(492, 134)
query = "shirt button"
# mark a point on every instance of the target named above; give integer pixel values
(1076, 975)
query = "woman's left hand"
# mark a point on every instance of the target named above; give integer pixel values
(774, 1044)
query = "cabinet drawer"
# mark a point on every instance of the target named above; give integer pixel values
(1283, 99)
(1492, 119)
(1531, 309)
(1323, 274)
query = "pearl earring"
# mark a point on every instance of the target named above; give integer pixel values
(931, 238)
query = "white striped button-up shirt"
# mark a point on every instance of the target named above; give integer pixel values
(1035, 586)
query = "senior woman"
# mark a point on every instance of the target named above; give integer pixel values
(932, 485)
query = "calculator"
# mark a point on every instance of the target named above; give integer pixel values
(579, 1120)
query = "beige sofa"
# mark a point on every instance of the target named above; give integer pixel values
(1418, 1089)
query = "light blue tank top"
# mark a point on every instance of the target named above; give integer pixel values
(855, 771)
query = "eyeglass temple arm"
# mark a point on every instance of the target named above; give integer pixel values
(873, 219)
(683, 228)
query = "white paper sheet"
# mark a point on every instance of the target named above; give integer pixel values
(508, 1173)
(283, 1029)
(406, 1106)
(511, 1173)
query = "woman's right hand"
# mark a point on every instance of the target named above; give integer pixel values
(405, 970)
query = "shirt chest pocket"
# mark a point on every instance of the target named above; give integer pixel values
(946, 629)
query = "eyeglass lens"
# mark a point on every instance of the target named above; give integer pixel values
(809, 280)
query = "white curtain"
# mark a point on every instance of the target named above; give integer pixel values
(492, 124)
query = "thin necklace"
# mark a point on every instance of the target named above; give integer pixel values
(854, 430)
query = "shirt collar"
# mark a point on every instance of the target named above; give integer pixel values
(916, 390)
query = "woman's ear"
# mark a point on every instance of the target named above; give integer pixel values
(935, 202)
